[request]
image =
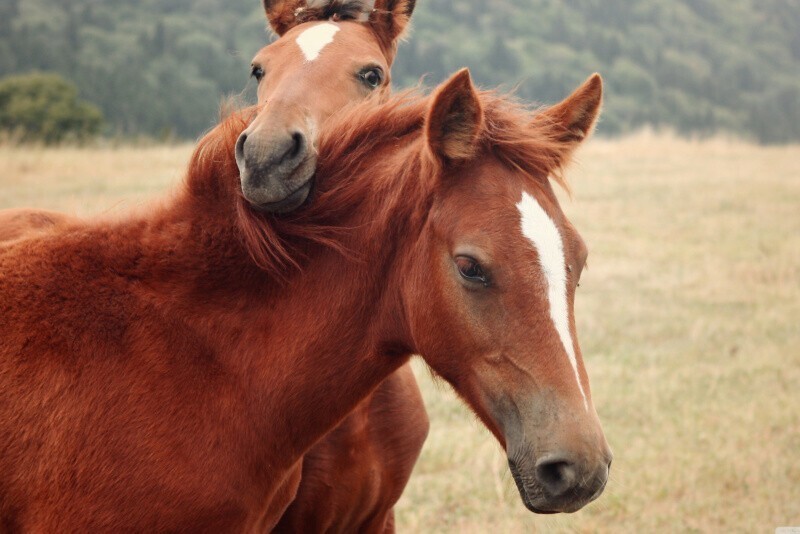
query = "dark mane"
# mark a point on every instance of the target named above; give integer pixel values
(357, 10)
(387, 21)
(512, 132)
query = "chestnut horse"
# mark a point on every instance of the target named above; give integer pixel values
(182, 385)
(339, 490)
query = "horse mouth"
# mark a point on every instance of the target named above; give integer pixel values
(565, 504)
(293, 201)
(523, 492)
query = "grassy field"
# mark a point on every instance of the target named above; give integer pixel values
(689, 320)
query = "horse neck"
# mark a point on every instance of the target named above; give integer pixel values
(332, 333)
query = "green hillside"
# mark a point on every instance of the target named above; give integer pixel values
(697, 66)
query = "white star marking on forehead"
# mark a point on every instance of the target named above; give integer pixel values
(315, 38)
(542, 232)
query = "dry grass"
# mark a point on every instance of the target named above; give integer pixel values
(688, 318)
(84, 181)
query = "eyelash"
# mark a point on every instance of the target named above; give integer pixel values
(471, 270)
(257, 73)
(364, 75)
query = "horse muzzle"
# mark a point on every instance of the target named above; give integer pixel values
(558, 483)
(276, 173)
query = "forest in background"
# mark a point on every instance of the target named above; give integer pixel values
(160, 67)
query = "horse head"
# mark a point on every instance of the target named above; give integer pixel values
(491, 283)
(328, 54)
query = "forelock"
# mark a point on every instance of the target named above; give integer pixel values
(356, 10)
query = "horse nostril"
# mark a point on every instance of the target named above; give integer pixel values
(557, 476)
(298, 145)
(240, 147)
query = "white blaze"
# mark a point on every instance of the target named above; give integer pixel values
(317, 37)
(542, 232)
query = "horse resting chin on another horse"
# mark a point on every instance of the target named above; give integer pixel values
(339, 490)
(155, 376)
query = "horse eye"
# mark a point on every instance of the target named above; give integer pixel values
(257, 73)
(372, 77)
(471, 270)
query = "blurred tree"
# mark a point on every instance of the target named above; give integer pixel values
(690, 65)
(45, 107)
(9, 9)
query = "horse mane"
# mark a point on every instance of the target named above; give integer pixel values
(212, 181)
(517, 134)
(348, 173)
(213, 159)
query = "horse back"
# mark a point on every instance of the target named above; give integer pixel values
(23, 222)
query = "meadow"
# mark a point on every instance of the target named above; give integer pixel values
(688, 318)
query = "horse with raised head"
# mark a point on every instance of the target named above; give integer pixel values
(328, 53)
(352, 478)
(182, 386)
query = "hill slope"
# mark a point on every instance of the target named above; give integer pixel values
(698, 66)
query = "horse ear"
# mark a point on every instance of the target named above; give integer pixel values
(454, 119)
(282, 14)
(575, 117)
(390, 18)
